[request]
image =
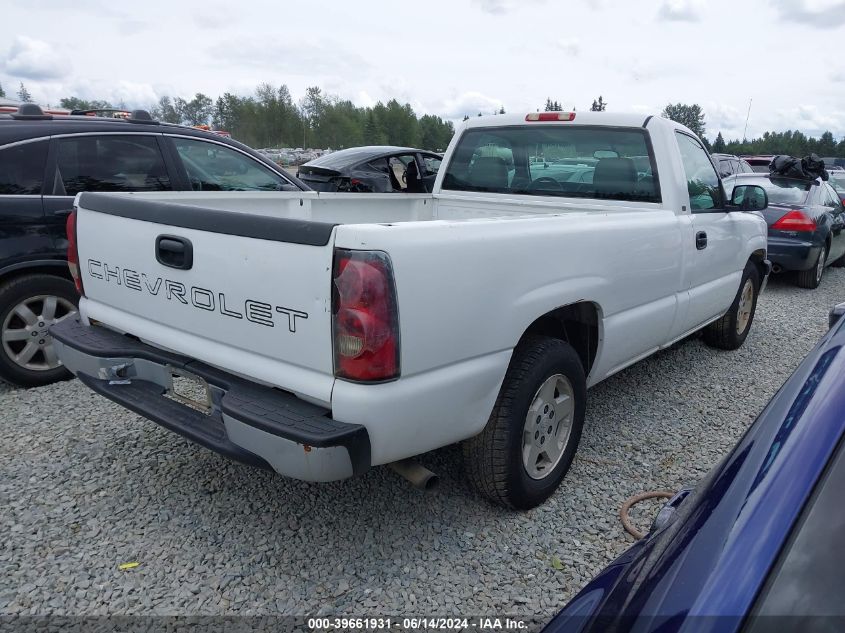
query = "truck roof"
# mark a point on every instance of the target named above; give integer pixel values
(581, 118)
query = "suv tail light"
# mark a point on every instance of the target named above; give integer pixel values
(365, 317)
(795, 220)
(73, 252)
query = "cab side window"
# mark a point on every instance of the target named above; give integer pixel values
(702, 180)
(22, 169)
(215, 167)
(110, 163)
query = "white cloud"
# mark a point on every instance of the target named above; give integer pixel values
(824, 14)
(294, 57)
(29, 58)
(500, 7)
(468, 104)
(681, 10)
(570, 46)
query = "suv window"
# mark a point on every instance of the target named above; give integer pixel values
(214, 167)
(22, 168)
(807, 580)
(110, 163)
(556, 160)
(702, 180)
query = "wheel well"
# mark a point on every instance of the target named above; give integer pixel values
(577, 324)
(57, 270)
(758, 257)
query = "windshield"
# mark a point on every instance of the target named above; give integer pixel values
(555, 160)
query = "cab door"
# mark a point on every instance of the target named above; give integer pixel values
(713, 249)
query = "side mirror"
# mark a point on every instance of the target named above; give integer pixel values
(749, 198)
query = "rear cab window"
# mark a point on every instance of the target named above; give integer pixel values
(22, 168)
(595, 162)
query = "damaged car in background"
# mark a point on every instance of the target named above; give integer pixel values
(373, 169)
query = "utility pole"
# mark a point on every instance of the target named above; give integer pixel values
(746, 120)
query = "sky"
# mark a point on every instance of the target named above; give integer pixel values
(448, 57)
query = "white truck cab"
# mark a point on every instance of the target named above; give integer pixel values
(330, 333)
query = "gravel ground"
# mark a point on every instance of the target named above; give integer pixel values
(86, 485)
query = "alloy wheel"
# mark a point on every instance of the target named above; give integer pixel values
(25, 331)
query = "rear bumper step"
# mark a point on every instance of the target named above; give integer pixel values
(247, 422)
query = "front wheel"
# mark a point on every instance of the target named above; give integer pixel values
(813, 277)
(523, 453)
(29, 305)
(730, 331)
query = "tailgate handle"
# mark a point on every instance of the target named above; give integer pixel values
(175, 252)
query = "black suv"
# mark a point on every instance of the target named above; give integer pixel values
(728, 165)
(45, 160)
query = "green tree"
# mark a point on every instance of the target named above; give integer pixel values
(690, 115)
(827, 145)
(197, 111)
(435, 133)
(23, 94)
(165, 111)
(719, 144)
(2, 92)
(501, 109)
(75, 103)
(599, 105)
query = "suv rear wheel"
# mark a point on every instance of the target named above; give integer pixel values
(29, 305)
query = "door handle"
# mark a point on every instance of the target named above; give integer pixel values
(174, 252)
(701, 240)
(63, 212)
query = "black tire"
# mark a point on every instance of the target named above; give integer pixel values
(493, 459)
(839, 263)
(724, 334)
(12, 294)
(811, 278)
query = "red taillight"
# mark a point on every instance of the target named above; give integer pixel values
(795, 220)
(73, 252)
(550, 116)
(365, 318)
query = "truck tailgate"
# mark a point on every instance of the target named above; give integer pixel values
(250, 293)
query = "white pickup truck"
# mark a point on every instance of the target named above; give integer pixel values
(324, 334)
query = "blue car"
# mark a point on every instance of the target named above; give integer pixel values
(762, 535)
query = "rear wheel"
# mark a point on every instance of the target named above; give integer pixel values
(523, 453)
(813, 277)
(29, 305)
(732, 329)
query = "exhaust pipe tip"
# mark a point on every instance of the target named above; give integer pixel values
(416, 474)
